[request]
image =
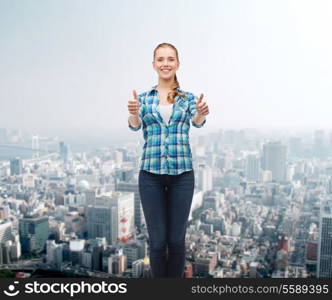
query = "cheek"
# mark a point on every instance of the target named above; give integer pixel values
(158, 64)
(174, 66)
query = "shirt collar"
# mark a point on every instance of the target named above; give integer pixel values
(154, 89)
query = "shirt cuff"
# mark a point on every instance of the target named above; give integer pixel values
(135, 128)
(197, 125)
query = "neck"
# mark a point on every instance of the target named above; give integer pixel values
(165, 84)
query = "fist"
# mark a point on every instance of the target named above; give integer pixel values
(134, 105)
(202, 107)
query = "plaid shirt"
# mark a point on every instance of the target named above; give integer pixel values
(166, 149)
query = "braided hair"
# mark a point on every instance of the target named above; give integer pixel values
(173, 93)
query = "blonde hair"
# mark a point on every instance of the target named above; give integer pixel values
(173, 93)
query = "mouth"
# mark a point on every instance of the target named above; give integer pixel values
(166, 70)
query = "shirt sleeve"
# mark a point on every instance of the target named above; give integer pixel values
(193, 110)
(140, 114)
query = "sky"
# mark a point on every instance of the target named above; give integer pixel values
(69, 67)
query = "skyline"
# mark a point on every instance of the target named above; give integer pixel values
(261, 64)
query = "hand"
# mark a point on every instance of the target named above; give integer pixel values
(202, 107)
(133, 106)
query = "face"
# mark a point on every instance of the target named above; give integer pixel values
(165, 62)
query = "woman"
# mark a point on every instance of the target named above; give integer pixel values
(166, 177)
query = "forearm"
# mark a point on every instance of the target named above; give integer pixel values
(134, 121)
(198, 119)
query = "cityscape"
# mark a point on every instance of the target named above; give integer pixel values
(262, 206)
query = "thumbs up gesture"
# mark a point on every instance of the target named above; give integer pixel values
(134, 105)
(202, 107)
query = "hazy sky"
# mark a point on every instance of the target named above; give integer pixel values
(70, 66)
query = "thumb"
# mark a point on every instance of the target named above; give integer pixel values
(135, 95)
(200, 99)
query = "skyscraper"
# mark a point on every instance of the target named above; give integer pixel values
(16, 166)
(5, 231)
(252, 168)
(133, 187)
(35, 145)
(34, 232)
(274, 159)
(64, 152)
(112, 217)
(324, 261)
(102, 222)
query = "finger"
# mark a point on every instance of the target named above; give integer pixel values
(201, 106)
(205, 110)
(133, 107)
(200, 98)
(135, 95)
(204, 113)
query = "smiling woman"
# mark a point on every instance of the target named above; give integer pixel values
(166, 178)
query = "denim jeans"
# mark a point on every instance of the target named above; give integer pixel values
(166, 201)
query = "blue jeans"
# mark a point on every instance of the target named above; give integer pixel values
(166, 202)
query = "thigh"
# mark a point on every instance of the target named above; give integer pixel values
(179, 199)
(153, 198)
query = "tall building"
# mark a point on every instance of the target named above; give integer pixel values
(6, 258)
(16, 166)
(76, 251)
(134, 251)
(102, 222)
(283, 243)
(54, 253)
(64, 152)
(112, 217)
(274, 159)
(188, 270)
(117, 264)
(133, 187)
(137, 268)
(252, 168)
(97, 256)
(35, 145)
(5, 231)
(204, 178)
(34, 232)
(324, 260)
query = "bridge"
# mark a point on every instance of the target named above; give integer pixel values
(14, 146)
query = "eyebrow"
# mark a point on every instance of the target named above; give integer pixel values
(168, 57)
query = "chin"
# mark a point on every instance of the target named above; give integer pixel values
(166, 76)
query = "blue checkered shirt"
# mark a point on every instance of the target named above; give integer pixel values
(166, 149)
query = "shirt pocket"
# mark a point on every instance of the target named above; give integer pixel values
(150, 116)
(181, 111)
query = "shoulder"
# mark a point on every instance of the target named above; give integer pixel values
(188, 95)
(145, 96)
